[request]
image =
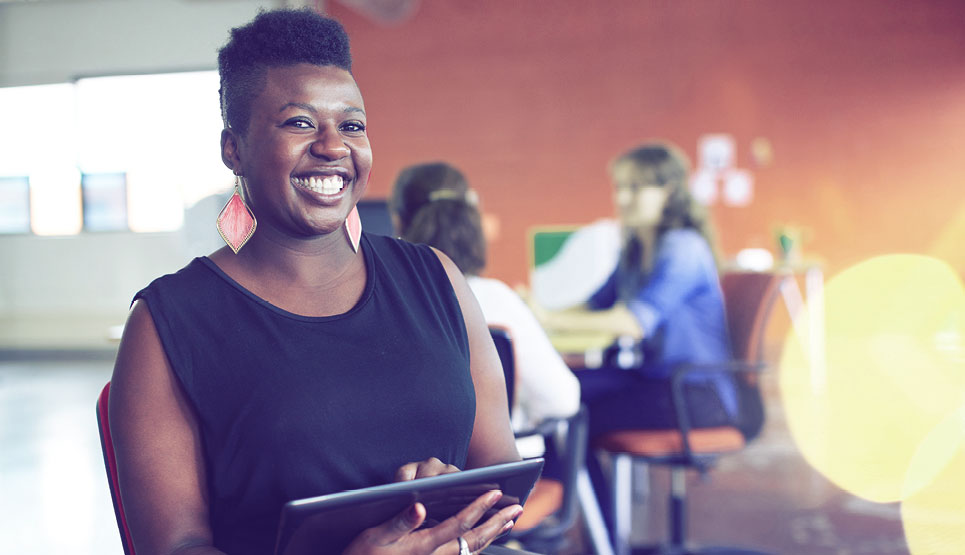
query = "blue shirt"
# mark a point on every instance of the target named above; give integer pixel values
(680, 308)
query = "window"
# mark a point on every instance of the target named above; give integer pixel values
(55, 207)
(161, 131)
(146, 145)
(14, 204)
(105, 201)
(28, 115)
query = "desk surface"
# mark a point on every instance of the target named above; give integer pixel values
(571, 342)
(579, 330)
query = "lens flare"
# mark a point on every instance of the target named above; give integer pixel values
(933, 513)
(894, 370)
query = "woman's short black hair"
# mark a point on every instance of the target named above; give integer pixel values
(275, 38)
(434, 205)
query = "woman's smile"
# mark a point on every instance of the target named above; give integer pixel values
(327, 186)
(322, 189)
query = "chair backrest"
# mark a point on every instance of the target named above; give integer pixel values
(574, 443)
(749, 299)
(504, 346)
(110, 464)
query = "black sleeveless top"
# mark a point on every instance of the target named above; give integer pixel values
(291, 406)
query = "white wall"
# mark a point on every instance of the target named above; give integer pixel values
(64, 292)
(56, 41)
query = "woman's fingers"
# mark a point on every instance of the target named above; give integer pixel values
(399, 533)
(481, 536)
(464, 523)
(423, 469)
(395, 528)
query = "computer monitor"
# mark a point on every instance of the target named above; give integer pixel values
(374, 214)
(570, 263)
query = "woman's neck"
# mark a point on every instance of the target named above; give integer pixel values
(318, 277)
(645, 234)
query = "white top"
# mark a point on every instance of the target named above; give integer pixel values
(545, 386)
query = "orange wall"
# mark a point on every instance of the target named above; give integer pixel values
(863, 102)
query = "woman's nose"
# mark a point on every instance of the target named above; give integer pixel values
(329, 145)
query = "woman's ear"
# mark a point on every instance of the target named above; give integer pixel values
(229, 150)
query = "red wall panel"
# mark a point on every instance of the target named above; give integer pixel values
(863, 102)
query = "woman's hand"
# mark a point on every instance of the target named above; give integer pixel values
(399, 535)
(423, 469)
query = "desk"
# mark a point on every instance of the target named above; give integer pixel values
(581, 336)
(581, 349)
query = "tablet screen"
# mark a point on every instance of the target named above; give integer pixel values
(330, 522)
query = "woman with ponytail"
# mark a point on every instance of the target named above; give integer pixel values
(433, 204)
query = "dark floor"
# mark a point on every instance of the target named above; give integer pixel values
(54, 497)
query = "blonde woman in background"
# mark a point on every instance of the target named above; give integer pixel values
(667, 279)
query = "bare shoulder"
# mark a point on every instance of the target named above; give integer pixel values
(143, 381)
(140, 350)
(156, 442)
(455, 275)
(467, 301)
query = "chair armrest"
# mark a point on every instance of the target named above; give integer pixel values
(679, 400)
(732, 367)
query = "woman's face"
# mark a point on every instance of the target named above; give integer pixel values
(306, 155)
(640, 205)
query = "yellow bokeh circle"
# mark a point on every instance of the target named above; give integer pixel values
(892, 368)
(933, 513)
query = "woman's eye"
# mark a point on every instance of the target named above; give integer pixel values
(353, 127)
(300, 123)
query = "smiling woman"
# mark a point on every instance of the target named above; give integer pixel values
(305, 155)
(310, 358)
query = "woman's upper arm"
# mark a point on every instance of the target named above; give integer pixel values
(492, 436)
(683, 262)
(160, 463)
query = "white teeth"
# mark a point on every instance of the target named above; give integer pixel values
(328, 185)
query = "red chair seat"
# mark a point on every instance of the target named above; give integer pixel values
(110, 464)
(545, 500)
(661, 443)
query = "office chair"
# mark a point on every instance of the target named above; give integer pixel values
(504, 347)
(559, 510)
(110, 464)
(749, 298)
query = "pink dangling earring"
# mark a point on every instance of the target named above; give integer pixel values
(236, 223)
(353, 228)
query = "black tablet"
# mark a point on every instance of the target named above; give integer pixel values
(327, 524)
